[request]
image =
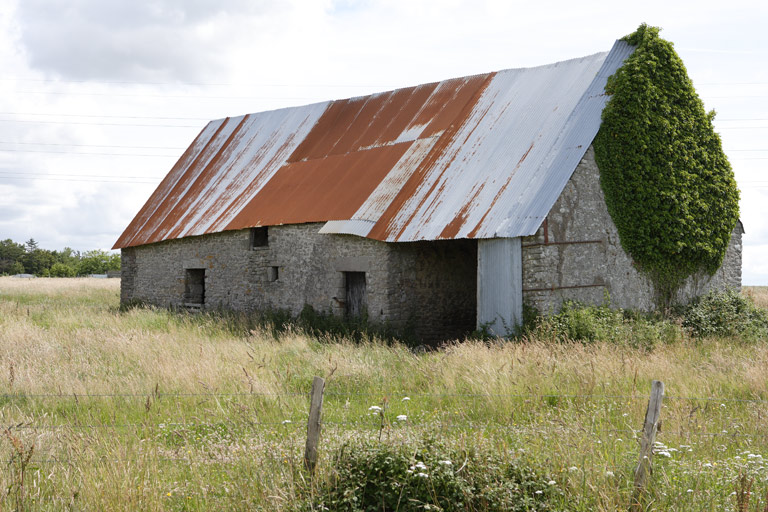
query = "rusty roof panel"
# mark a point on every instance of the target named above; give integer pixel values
(220, 173)
(476, 157)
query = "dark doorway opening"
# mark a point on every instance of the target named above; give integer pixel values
(194, 286)
(355, 304)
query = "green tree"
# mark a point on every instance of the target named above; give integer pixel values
(38, 261)
(62, 270)
(67, 256)
(668, 185)
(31, 245)
(98, 262)
(11, 254)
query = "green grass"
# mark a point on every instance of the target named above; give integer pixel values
(151, 410)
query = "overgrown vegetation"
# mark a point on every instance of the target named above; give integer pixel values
(371, 477)
(589, 323)
(147, 409)
(668, 185)
(29, 258)
(725, 314)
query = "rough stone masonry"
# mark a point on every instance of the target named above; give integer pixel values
(426, 289)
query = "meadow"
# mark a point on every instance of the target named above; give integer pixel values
(146, 409)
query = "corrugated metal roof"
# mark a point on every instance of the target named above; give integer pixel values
(476, 157)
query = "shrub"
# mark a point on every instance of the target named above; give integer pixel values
(589, 323)
(725, 314)
(62, 270)
(377, 477)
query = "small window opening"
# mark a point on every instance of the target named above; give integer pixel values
(194, 286)
(259, 237)
(355, 304)
(273, 273)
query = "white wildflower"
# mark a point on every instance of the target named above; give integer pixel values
(286, 422)
(609, 473)
(551, 482)
(444, 462)
(405, 399)
(374, 408)
(422, 475)
(539, 492)
(573, 468)
(401, 417)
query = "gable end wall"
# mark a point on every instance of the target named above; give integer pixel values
(576, 254)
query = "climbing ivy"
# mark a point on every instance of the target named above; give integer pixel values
(668, 185)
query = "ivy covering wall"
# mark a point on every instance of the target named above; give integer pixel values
(668, 185)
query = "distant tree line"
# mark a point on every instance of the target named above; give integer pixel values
(29, 258)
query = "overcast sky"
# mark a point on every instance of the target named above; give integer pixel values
(98, 98)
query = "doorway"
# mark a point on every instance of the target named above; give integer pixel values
(194, 286)
(355, 303)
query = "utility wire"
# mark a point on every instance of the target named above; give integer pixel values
(83, 180)
(103, 116)
(93, 145)
(67, 175)
(80, 153)
(101, 124)
(197, 84)
(209, 118)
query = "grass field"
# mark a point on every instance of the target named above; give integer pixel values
(150, 410)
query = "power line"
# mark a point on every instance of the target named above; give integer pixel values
(209, 118)
(102, 124)
(67, 175)
(103, 116)
(86, 145)
(76, 153)
(165, 96)
(83, 180)
(196, 84)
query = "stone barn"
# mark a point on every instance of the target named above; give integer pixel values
(436, 208)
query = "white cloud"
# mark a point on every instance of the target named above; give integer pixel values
(275, 53)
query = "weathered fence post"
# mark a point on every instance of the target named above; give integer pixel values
(650, 427)
(314, 423)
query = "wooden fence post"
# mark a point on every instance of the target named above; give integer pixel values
(314, 423)
(650, 427)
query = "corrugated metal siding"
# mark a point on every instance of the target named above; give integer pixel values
(474, 157)
(499, 285)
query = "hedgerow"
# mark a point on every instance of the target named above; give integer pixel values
(668, 185)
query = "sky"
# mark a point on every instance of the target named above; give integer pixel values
(98, 98)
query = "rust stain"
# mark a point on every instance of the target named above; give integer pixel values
(330, 188)
(452, 228)
(159, 203)
(460, 104)
(256, 182)
(198, 183)
(499, 193)
(329, 130)
(525, 155)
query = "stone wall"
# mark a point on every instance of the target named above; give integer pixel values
(576, 254)
(426, 288)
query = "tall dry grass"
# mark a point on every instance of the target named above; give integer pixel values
(187, 413)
